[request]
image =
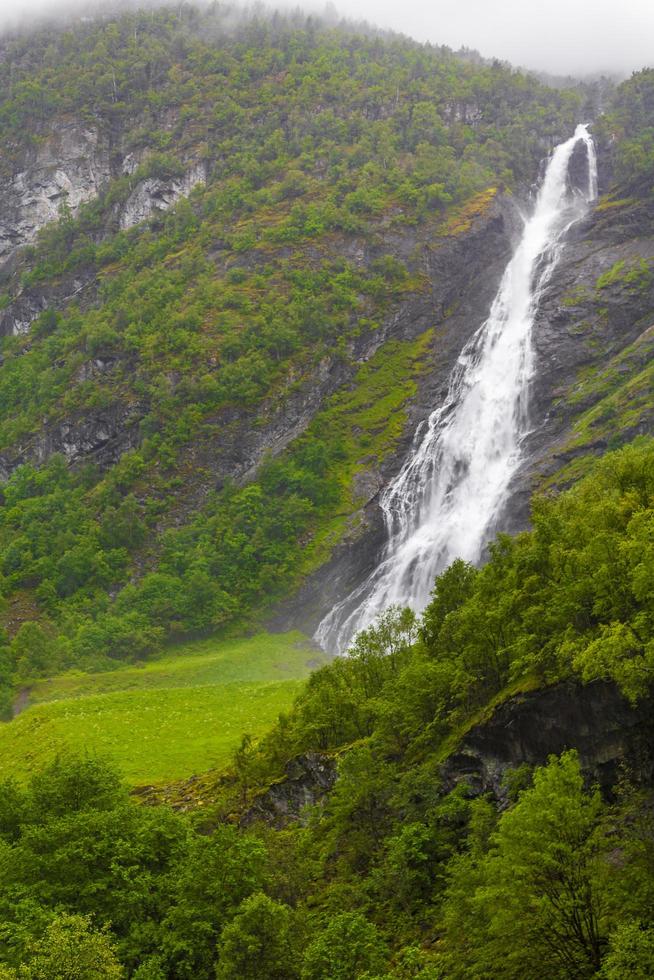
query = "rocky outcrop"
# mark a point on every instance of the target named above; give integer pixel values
(613, 738)
(68, 167)
(610, 734)
(153, 195)
(99, 437)
(308, 778)
(237, 439)
(578, 169)
(592, 335)
(29, 303)
(71, 164)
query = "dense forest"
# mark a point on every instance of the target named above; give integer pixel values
(306, 168)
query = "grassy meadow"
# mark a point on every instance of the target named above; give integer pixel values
(165, 719)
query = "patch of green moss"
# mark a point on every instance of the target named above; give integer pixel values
(607, 203)
(636, 275)
(461, 219)
(619, 398)
(577, 295)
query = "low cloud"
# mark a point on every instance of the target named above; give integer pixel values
(559, 36)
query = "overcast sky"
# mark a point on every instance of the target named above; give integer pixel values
(560, 36)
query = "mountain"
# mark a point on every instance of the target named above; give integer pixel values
(241, 255)
(195, 389)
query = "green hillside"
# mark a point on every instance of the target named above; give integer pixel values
(395, 871)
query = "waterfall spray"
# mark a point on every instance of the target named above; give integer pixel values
(443, 502)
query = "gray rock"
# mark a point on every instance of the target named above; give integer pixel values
(610, 734)
(308, 779)
(69, 166)
(152, 195)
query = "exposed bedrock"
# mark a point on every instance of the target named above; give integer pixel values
(594, 318)
(69, 166)
(307, 780)
(612, 737)
(589, 325)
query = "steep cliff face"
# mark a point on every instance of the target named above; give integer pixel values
(459, 283)
(463, 271)
(68, 166)
(205, 340)
(592, 342)
(593, 377)
(612, 737)
(72, 164)
(593, 338)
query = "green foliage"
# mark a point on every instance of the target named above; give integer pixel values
(166, 719)
(534, 900)
(218, 875)
(558, 882)
(348, 949)
(638, 275)
(316, 142)
(630, 123)
(631, 953)
(71, 948)
(257, 943)
(203, 321)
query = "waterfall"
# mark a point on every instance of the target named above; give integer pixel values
(445, 499)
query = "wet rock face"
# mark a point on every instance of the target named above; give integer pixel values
(463, 272)
(579, 327)
(582, 327)
(578, 170)
(307, 780)
(610, 735)
(100, 438)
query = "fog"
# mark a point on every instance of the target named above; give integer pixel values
(560, 36)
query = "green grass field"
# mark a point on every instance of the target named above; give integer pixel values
(166, 719)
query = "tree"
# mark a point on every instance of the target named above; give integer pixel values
(451, 590)
(534, 901)
(70, 949)
(72, 784)
(215, 876)
(350, 947)
(631, 953)
(34, 652)
(257, 943)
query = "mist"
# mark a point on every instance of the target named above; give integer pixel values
(564, 37)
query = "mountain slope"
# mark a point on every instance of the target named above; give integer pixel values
(174, 463)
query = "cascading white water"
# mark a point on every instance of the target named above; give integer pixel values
(444, 500)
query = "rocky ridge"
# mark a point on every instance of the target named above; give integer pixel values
(613, 737)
